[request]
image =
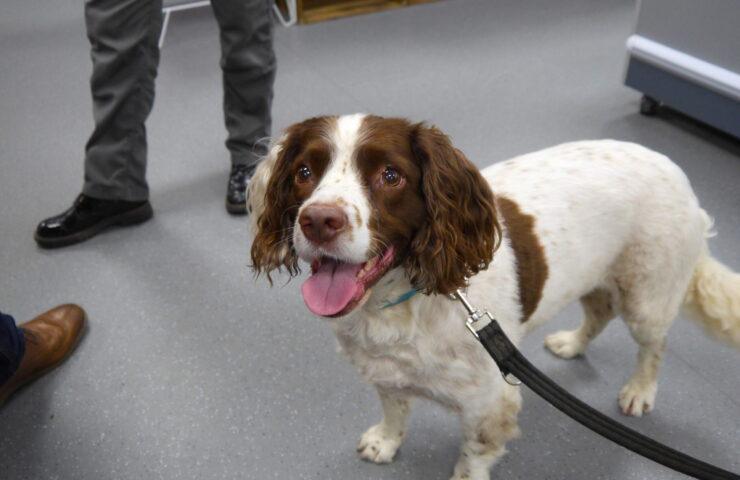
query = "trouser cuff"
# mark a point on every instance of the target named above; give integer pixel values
(112, 193)
(12, 347)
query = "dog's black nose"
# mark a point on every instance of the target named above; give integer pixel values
(321, 223)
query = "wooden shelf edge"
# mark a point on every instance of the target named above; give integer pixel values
(307, 15)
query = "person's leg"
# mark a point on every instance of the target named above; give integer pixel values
(12, 347)
(248, 64)
(123, 37)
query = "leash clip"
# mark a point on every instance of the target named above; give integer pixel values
(476, 319)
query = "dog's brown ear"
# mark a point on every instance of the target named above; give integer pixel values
(460, 232)
(273, 207)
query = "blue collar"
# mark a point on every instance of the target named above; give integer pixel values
(400, 299)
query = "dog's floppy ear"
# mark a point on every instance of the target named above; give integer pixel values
(460, 232)
(258, 184)
(272, 208)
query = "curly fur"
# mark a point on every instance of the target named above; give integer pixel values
(461, 231)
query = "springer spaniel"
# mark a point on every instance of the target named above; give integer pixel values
(391, 218)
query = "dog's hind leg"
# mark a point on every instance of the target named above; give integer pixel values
(380, 442)
(638, 394)
(599, 306)
(651, 301)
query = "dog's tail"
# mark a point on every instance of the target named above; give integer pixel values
(713, 296)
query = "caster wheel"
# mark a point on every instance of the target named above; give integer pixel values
(649, 106)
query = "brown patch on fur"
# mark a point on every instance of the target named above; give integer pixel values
(397, 211)
(531, 266)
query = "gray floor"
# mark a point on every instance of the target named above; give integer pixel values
(190, 370)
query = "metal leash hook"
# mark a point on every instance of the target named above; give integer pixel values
(477, 320)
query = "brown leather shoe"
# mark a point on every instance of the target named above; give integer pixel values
(50, 338)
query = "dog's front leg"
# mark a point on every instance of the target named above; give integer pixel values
(489, 421)
(380, 442)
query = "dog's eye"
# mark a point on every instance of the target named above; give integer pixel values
(391, 177)
(304, 174)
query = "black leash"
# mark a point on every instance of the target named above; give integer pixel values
(511, 362)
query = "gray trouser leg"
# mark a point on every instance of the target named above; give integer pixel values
(123, 36)
(248, 64)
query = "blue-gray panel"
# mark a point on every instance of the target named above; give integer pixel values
(710, 107)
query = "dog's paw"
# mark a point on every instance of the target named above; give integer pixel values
(636, 398)
(377, 446)
(565, 344)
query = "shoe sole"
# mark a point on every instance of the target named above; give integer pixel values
(134, 216)
(37, 375)
(236, 208)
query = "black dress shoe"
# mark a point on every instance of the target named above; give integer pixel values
(236, 194)
(87, 217)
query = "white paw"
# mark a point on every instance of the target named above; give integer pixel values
(565, 344)
(376, 446)
(636, 398)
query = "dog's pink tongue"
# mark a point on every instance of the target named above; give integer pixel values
(330, 289)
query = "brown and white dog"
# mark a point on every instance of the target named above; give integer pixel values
(381, 208)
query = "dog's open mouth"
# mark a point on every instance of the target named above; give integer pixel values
(335, 288)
